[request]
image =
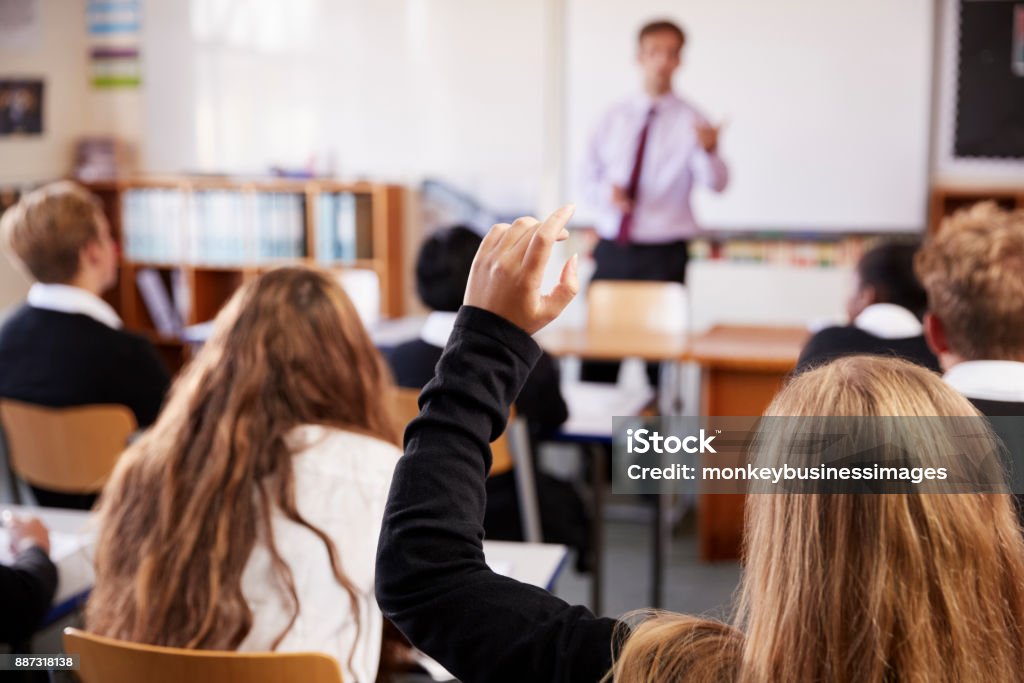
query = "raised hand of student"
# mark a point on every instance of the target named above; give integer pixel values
(509, 267)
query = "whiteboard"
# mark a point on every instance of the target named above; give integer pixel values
(827, 104)
(395, 90)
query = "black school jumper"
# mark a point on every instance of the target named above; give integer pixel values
(848, 340)
(57, 359)
(26, 589)
(432, 581)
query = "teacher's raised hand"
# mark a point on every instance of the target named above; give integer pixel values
(707, 135)
(509, 268)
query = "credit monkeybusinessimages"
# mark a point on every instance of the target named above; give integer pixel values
(712, 455)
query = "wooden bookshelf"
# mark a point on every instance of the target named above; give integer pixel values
(946, 199)
(210, 284)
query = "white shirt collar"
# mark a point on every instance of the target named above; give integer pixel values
(992, 380)
(437, 328)
(70, 299)
(644, 102)
(888, 321)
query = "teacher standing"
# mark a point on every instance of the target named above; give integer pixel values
(643, 160)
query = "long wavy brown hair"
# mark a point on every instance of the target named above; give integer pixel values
(852, 588)
(188, 501)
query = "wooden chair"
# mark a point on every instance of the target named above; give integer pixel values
(628, 307)
(69, 450)
(509, 453)
(106, 660)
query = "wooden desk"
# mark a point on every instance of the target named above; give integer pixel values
(742, 368)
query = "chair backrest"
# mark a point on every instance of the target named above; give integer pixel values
(627, 307)
(106, 660)
(407, 407)
(70, 450)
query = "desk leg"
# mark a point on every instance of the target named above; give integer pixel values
(597, 469)
(660, 545)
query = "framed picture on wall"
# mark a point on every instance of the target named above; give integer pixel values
(21, 107)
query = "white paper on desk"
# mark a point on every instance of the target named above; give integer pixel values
(503, 568)
(61, 546)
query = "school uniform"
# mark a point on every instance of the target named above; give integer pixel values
(996, 389)
(432, 579)
(66, 347)
(26, 589)
(879, 330)
(563, 516)
(341, 485)
(540, 400)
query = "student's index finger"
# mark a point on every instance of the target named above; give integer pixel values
(546, 234)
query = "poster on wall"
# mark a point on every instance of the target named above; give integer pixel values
(20, 25)
(990, 80)
(114, 38)
(21, 107)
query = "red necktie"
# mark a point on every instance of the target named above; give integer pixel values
(626, 226)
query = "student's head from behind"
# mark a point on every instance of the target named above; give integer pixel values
(189, 499)
(59, 234)
(659, 54)
(973, 271)
(865, 587)
(442, 267)
(885, 275)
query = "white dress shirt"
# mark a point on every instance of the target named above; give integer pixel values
(888, 321)
(70, 299)
(341, 486)
(989, 380)
(438, 326)
(673, 162)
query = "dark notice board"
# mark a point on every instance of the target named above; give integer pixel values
(990, 80)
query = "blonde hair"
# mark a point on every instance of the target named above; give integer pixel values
(859, 587)
(46, 230)
(973, 271)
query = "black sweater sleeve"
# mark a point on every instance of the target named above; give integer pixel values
(432, 581)
(26, 589)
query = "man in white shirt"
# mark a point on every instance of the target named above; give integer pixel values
(644, 158)
(65, 345)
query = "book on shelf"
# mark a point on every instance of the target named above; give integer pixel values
(213, 227)
(344, 231)
(154, 293)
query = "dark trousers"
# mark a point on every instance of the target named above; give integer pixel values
(651, 262)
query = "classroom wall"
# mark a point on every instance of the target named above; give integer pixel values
(395, 89)
(400, 89)
(59, 59)
(446, 62)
